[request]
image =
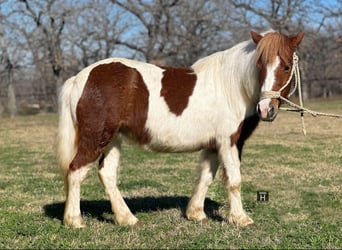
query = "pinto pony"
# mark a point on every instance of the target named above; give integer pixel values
(212, 106)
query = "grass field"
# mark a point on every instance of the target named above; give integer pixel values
(303, 176)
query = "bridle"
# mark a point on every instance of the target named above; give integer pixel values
(295, 107)
(277, 93)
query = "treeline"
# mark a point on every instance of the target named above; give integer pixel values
(42, 43)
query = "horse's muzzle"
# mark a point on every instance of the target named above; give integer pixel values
(267, 110)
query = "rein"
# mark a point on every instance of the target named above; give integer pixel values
(298, 85)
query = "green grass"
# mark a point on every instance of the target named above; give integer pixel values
(302, 174)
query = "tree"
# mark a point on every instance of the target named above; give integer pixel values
(93, 37)
(175, 31)
(7, 75)
(49, 21)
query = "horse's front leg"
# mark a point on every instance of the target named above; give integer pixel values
(232, 177)
(206, 173)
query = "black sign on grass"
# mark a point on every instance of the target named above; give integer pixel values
(262, 196)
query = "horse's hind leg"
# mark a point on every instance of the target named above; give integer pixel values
(77, 172)
(72, 211)
(108, 176)
(88, 150)
(206, 174)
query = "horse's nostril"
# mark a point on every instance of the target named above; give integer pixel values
(271, 110)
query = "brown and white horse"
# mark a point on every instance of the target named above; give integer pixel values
(211, 106)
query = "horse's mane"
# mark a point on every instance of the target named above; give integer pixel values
(273, 44)
(236, 66)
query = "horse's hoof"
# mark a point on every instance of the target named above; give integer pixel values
(74, 221)
(128, 221)
(196, 215)
(241, 221)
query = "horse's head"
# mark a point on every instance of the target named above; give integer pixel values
(274, 59)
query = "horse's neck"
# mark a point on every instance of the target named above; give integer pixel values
(235, 71)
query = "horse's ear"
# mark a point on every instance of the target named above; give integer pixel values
(256, 37)
(295, 41)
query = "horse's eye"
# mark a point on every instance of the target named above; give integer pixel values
(287, 68)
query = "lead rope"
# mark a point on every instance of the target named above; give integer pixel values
(295, 107)
(298, 84)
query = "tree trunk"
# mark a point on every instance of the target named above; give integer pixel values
(2, 109)
(59, 83)
(11, 104)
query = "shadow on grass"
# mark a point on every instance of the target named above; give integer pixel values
(98, 208)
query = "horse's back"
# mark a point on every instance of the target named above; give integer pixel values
(155, 105)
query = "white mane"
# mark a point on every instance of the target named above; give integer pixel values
(236, 71)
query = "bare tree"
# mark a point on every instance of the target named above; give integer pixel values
(93, 37)
(176, 31)
(276, 14)
(49, 21)
(8, 74)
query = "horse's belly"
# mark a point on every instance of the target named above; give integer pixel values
(163, 146)
(179, 139)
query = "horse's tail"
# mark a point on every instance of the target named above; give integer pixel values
(67, 129)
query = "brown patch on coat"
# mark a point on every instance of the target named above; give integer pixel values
(115, 98)
(177, 87)
(235, 137)
(244, 131)
(235, 188)
(248, 126)
(225, 176)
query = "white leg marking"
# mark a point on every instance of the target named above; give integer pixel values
(72, 212)
(206, 174)
(231, 161)
(108, 176)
